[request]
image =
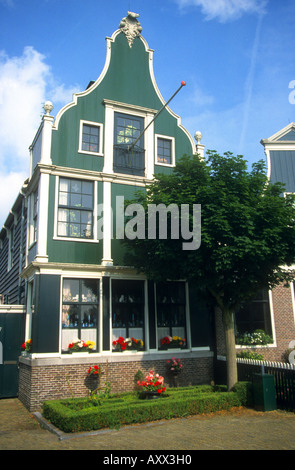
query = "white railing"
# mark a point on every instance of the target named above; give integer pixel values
(255, 362)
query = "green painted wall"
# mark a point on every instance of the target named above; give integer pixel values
(129, 193)
(127, 80)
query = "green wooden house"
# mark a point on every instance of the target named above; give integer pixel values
(64, 281)
(99, 150)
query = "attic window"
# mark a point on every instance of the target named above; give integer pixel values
(90, 138)
(164, 150)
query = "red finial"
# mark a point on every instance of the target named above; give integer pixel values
(183, 83)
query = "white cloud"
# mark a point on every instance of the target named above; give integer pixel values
(26, 82)
(225, 10)
(10, 186)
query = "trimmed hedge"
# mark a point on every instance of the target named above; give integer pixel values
(76, 415)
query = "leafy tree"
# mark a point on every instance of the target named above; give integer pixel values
(247, 234)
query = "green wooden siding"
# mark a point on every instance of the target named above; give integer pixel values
(129, 193)
(127, 80)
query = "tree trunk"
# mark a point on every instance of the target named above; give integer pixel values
(230, 344)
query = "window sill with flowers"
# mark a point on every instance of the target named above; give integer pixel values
(172, 342)
(129, 344)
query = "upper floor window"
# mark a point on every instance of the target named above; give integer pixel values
(164, 150)
(75, 208)
(90, 138)
(127, 158)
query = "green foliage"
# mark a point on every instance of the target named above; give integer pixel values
(247, 229)
(244, 390)
(250, 355)
(75, 415)
(138, 376)
(258, 337)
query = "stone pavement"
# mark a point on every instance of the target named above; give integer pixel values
(239, 429)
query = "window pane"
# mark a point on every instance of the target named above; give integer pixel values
(62, 229)
(90, 138)
(87, 201)
(71, 290)
(89, 290)
(88, 316)
(75, 216)
(76, 186)
(64, 185)
(63, 215)
(164, 151)
(63, 199)
(75, 231)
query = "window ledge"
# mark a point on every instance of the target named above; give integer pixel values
(69, 239)
(95, 154)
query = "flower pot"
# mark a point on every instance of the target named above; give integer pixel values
(149, 395)
(92, 382)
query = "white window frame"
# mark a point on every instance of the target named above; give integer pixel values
(81, 275)
(73, 239)
(94, 124)
(112, 107)
(172, 140)
(33, 216)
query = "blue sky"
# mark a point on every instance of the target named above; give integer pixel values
(237, 57)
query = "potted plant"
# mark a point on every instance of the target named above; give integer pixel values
(169, 342)
(152, 386)
(92, 380)
(119, 344)
(81, 346)
(131, 344)
(134, 344)
(26, 347)
(174, 366)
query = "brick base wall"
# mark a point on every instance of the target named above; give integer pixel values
(40, 381)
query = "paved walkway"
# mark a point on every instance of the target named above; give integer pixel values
(241, 429)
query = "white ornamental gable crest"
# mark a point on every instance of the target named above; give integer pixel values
(131, 27)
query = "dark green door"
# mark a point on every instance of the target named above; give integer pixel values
(11, 338)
